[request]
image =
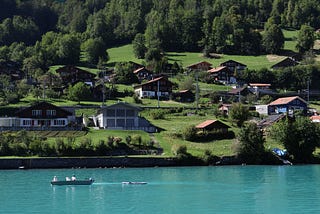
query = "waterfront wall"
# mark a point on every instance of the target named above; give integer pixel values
(86, 162)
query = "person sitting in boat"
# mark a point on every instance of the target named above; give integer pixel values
(73, 178)
(55, 178)
(68, 179)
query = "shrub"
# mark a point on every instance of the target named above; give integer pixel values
(190, 133)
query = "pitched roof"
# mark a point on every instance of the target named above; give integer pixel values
(259, 84)
(198, 63)
(285, 100)
(232, 61)
(286, 62)
(218, 69)
(140, 69)
(151, 81)
(210, 122)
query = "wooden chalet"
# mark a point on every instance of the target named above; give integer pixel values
(287, 62)
(184, 96)
(160, 86)
(199, 66)
(287, 105)
(315, 118)
(222, 74)
(143, 74)
(71, 74)
(41, 116)
(234, 66)
(213, 125)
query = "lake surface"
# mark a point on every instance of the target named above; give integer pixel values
(225, 189)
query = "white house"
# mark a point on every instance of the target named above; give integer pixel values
(122, 116)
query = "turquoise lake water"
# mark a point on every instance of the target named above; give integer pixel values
(226, 189)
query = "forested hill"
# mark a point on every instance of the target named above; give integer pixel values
(39, 33)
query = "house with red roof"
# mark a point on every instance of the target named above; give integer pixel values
(213, 125)
(287, 105)
(160, 86)
(315, 118)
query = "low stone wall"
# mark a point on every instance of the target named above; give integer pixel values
(86, 162)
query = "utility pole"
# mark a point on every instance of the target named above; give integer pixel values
(197, 90)
(158, 93)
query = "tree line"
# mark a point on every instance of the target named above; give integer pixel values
(45, 32)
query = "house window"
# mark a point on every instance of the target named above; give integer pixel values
(120, 113)
(51, 112)
(130, 122)
(120, 123)
(59, 122)
(130, 113)
(36, 112)
(111, 113)
(26, 122)
(110, 123)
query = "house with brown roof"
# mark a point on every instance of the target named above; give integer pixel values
(71, 74)
(222, 74)
(213, 125)
(160, 86)
(143, 74)
(287, 105)
(286, 62)
(234, 66)
(184, 96)
(41, 116)
(199, 66)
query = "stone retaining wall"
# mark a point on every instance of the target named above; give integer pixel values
(86, 162)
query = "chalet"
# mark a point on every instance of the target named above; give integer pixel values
(143, 74)
(286, 62)
(41, 116)
(71, 74)
(225, 108)
(160, 86)
(213, 125)
(122, 116)
(315, 118)
(260, 88)
(199, 66)
(222, 74)
(184, 96)
(234, 66)
(287, 105)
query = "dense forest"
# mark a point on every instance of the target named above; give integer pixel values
(40, 33)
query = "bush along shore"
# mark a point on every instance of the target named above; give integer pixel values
(110, 162)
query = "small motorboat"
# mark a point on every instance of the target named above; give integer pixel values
(68, 181)
(133, 183)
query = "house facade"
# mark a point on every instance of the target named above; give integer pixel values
(41, 116)
(287, 105)
(122, 116)
(213, 125)
(286, 62)
(143, 74)
(234, 66)
(160, 86)
(72, 74)
(222, 74)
